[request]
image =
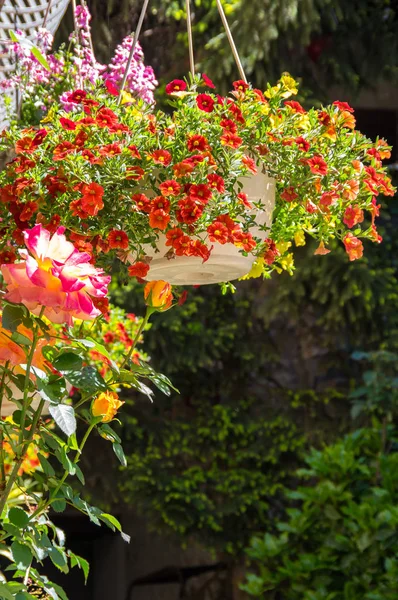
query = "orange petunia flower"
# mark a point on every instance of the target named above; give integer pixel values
(159, 219)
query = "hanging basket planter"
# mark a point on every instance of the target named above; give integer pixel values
(226, 263)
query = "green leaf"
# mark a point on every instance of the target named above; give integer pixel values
(39, 56)
(69, 361)
(111, 521)
(45, 465)
(53, 389)
(58, 505)
(13, 315)
(5, 594)
(59, 558)
(118, 450)
(88, 379)
(66, 462)
(20, 339)
(79, 474)
(18, 517)
(64, 416)
(91, 343)
(82, 563)
(21, 555)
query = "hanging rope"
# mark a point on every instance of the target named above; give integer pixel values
(135, 40)
(190, 42)
(231, 40)
(46, 15)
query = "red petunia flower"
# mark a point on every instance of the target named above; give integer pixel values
(260, 95)
(199, 249)
(353, 215)
(118, 239)
(302, 144)
(317, 165)
(181, 245)
(94, 190)
(105, 117)
(200, 192)
(87, 121)
(229, 125)
(7, 194)
(173, 235)
(161, 157)
(77, 210)
(289, 194)
(135, 173)
(112, 89)
(205, 102)
(208, 81)
(324, 118)
(190, 211)
(134, 151)
(295, 106)
(343, 106)
(80, 139)
(25, 145)
(235, 112)
(328, 198)
(159, 219)
(240, 85)
(170, 188)
(216, 182)
(139, 269)
(40, 137)
(7, 257)
(62, 150)
(197, 143)
(29, 209)
(218, 232)
(160, 203)
(142, 202)
(182, 169)
(271, 252)
(244, 199)
(353, 246)
(249, 164)
(110, 150)
(177, 85)
(77, 96)
(244, 240)
(231, 140)
(67, 124)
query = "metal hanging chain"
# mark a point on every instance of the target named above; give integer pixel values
(135, 39)
(231, 40)
(190, 42)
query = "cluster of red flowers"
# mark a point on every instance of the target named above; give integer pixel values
(118, 177)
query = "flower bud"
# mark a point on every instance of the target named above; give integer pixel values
(158, 295)
(106, 406)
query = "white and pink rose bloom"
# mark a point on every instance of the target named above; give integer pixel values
(55, 275)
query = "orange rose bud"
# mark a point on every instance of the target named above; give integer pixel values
(158, 295)
(106, 406)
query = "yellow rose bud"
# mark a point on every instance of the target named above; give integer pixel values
(106, 406)
(158, 295)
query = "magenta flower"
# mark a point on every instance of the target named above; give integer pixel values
(54, 274)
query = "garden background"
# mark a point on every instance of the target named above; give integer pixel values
(275, 468)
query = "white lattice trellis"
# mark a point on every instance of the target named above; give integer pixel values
(28, 16)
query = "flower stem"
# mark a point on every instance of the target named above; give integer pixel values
(145, 320)
(2, 455)
(17, 465)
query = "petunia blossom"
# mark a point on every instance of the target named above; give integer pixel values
(55, 276)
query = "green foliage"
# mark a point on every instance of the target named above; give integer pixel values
(215, 475)
(340, 539)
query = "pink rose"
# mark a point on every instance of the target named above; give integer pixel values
(54, 274)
